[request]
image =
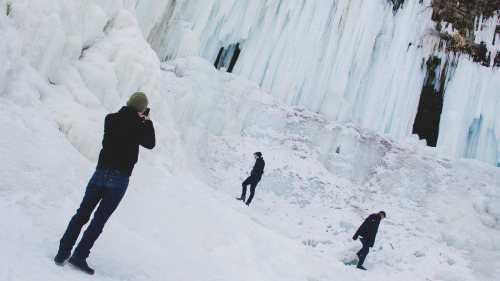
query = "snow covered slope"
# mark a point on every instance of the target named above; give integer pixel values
(64, 66)
(321, 178)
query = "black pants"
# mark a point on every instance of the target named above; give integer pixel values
(252, 181)
(363, 252)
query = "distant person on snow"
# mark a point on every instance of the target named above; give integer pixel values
(367, 232)
(253, 179)
(124, 131)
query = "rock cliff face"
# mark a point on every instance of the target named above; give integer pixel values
(464, 15)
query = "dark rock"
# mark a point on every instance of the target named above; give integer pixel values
(463, 16)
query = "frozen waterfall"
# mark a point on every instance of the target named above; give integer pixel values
(353, 60)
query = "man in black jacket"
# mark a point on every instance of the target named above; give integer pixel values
(124, 132)
(254, 178)
(367, 232)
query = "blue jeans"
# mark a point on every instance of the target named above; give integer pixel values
(252, 181)
(107, 187)
(364, 251)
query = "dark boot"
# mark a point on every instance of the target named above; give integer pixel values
(61, 257)
(360, 267)
(81, 264)
(241, 198)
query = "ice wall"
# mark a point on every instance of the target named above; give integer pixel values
(348, 60)
(470, 122)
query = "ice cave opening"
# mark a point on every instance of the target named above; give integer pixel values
(430, 106)
(227, 57)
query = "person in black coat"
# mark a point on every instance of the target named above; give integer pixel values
(253, 179)
(124, 132)
(367, 232)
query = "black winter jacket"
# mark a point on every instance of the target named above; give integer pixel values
(258, 168)
(124, 131)
(368, 229)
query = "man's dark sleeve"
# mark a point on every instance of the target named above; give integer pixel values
(360, 229)
(148, 138)
(355, 237)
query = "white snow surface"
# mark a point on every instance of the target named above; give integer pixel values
(65, 65)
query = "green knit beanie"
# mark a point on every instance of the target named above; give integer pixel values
(138, 101)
